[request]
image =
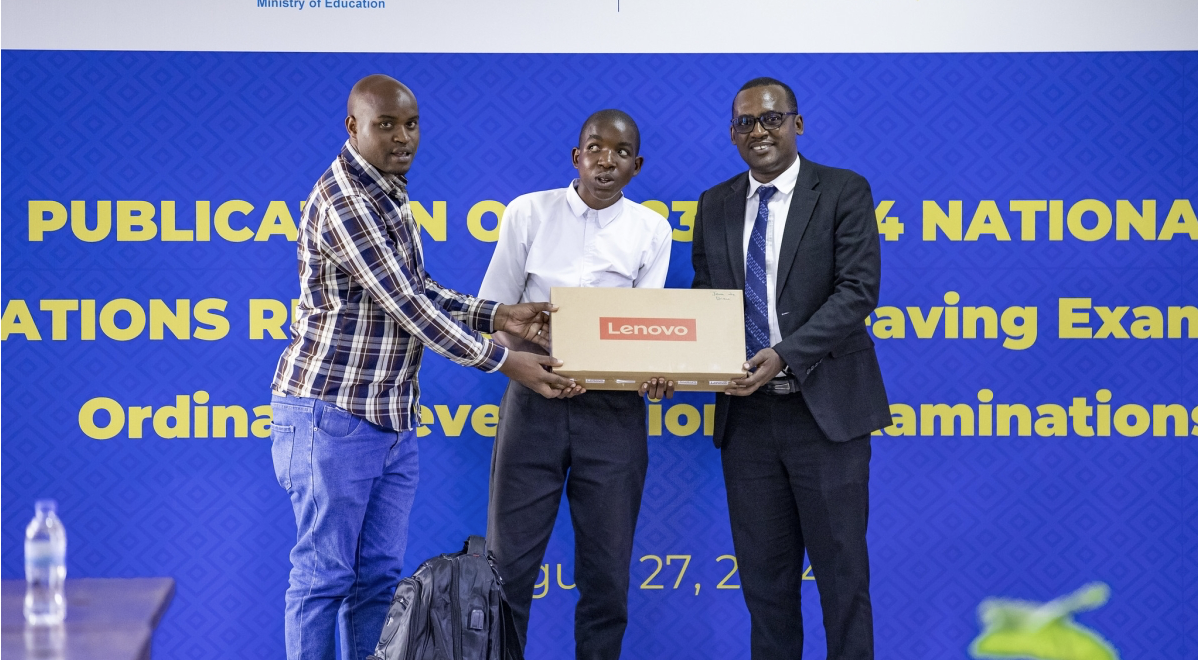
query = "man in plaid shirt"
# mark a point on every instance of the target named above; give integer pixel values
(345, 391)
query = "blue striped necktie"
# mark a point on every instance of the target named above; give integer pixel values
(757, 309)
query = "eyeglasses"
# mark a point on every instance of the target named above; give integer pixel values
(769, 121)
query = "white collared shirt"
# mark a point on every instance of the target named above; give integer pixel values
(779, 206)
(552, 238)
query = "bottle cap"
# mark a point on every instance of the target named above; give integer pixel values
(45, 506)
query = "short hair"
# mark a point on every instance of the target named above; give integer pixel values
(611, 115)
(765, 81)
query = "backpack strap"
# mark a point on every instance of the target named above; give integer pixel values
(476, 545)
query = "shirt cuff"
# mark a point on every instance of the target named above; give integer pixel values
(493, 357)
(483, 315)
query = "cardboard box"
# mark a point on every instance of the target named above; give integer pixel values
(616, 339)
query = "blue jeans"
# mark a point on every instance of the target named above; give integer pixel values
(351, 484)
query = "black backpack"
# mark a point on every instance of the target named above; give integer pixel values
(452, 608)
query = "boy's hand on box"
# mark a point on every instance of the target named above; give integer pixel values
(658, 389)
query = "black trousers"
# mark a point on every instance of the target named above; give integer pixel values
(596, 446)
(791, 489)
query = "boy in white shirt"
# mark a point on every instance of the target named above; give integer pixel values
(595, 445)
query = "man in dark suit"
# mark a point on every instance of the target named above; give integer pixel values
(801, 241)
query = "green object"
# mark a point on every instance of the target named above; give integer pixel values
(1018, 629)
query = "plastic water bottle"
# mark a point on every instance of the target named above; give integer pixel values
(45, 566)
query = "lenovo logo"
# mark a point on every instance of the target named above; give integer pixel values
(647, 329)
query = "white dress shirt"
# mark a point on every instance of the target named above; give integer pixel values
(552, 238)
(779, 206)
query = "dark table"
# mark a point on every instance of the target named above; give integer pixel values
(107, 619)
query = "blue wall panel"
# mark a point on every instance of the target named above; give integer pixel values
(955, 519)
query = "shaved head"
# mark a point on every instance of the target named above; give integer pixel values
(374, 88)
(622, 120)
(383, 123)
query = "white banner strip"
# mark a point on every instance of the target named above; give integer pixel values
(601, 26)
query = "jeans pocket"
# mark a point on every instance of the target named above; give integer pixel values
(282, 440)
(336, 422)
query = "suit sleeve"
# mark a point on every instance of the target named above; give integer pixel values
(699, 251)
(857, 264)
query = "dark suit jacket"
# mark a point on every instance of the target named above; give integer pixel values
(829, 271)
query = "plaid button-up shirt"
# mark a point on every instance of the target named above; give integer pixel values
(367, 307)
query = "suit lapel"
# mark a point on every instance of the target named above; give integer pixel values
(802, 204)
(734, 228)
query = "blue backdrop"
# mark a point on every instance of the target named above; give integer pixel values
(955, 517)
